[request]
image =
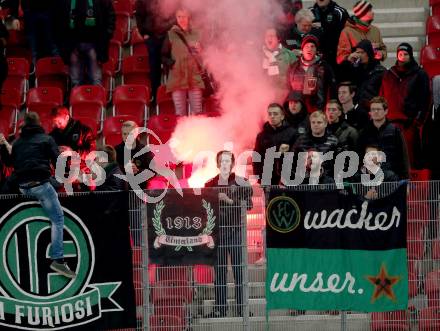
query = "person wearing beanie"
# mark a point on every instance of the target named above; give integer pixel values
(362, 68)
(406, 87)
(311, 76)
(331, 18)
(357, 28)
(295, 112)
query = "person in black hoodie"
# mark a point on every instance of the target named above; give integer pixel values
(365, 72)
(406, 87)
(32, 155)
(276, 134)
(295, 112)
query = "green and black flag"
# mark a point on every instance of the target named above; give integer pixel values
(332, 250)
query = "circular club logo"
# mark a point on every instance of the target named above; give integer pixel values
(32, 296)
(283, 214)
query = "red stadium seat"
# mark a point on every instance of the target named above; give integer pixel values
(432, 288)
(42, 99)
(430, 60)
(108, 78)
(433, 30)
(163, 126)
(435, 7)
(172, 289)
(429, 319)
(203, 274)
(115, 54)
(18, 77)
(137, 44)
(174, 307)
(132, 100)
(211, 107)
(164, 101)
(166, 323)
(436, 249)
(123, 27)
(10, 102)
(4, 127)
(88, 101)
(90, 122)
(51, 72)
(174, 273)
(396, 321)
(123, 6)
(135, 70)
(17, 46)
(112, 128)
(416, 244)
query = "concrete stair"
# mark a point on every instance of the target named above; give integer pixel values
(399, 21)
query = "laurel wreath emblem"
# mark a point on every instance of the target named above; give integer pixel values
(160, 231)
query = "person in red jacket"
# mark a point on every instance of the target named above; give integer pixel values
(406, 87)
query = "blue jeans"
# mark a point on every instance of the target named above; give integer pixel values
(48, 198)
(195, 101)
(84, 67)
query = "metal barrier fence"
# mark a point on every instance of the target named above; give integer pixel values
(231, 296)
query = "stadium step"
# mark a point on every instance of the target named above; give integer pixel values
(283, 323)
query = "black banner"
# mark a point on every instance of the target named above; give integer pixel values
(96, 247)
(336, 219)
(183, 230)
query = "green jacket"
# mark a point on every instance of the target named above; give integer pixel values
(184, 73)
(284, 59)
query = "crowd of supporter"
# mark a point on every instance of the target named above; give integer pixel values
(327, 66)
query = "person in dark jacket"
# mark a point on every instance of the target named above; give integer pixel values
(317, 139)
(278, 135)
(331, 18)
(295, 112)
(32, 155)
(380, 131)
(138, 163)
(83, 31)
(311, 76)
(153, 27)
(314, 171)
(72, 133)
(365, 72)
(111, 167)
(406, 86)
(351, 112)
(346, 134)
(232, 191)
(38, 24)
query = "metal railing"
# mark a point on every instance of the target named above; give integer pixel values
(231, 295)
